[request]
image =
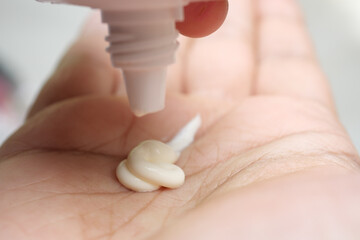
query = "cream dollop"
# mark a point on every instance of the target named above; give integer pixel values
(151, 164)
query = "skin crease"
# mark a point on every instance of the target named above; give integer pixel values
(271, 161)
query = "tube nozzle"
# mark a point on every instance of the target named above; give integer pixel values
(143, 44)
(146, 90)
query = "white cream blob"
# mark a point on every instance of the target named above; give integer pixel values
(151, 164)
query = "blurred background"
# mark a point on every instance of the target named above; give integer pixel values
(34, 36)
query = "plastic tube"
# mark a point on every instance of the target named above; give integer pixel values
(142, 38)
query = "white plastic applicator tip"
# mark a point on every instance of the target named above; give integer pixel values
(146, 90)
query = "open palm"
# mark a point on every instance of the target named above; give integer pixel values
(270, 161)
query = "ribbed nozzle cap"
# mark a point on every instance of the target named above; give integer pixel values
(143, 43)
(146, 90)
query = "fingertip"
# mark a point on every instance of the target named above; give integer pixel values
(203, 18)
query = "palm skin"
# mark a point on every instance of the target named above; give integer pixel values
(270, 161)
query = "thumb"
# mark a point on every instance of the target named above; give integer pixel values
(203, 18)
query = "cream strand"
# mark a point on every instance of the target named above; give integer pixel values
(151, 164)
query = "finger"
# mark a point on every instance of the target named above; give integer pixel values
(84, 70)
(203, 18)
(222, 65)
(288, 64)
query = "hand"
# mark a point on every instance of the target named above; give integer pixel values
(271, 161)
